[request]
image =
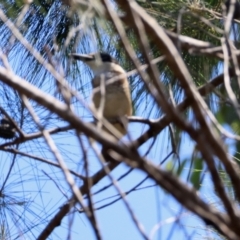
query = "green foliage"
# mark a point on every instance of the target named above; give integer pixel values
(12, 8)
(181, 167)
(171, 166)
(186, 18)
(227, 115)
(195, 178)
(48, 23)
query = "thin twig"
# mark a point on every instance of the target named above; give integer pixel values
(15, 151)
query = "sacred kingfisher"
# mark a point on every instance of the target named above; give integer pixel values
(117, 96)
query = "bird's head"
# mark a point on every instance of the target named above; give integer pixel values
(99, 63)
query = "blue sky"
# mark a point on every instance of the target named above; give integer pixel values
(150, 205)
(38, 190)
(43, 188)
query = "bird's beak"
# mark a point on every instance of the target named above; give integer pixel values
(82, 57)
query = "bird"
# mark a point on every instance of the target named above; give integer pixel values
(118, 103)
